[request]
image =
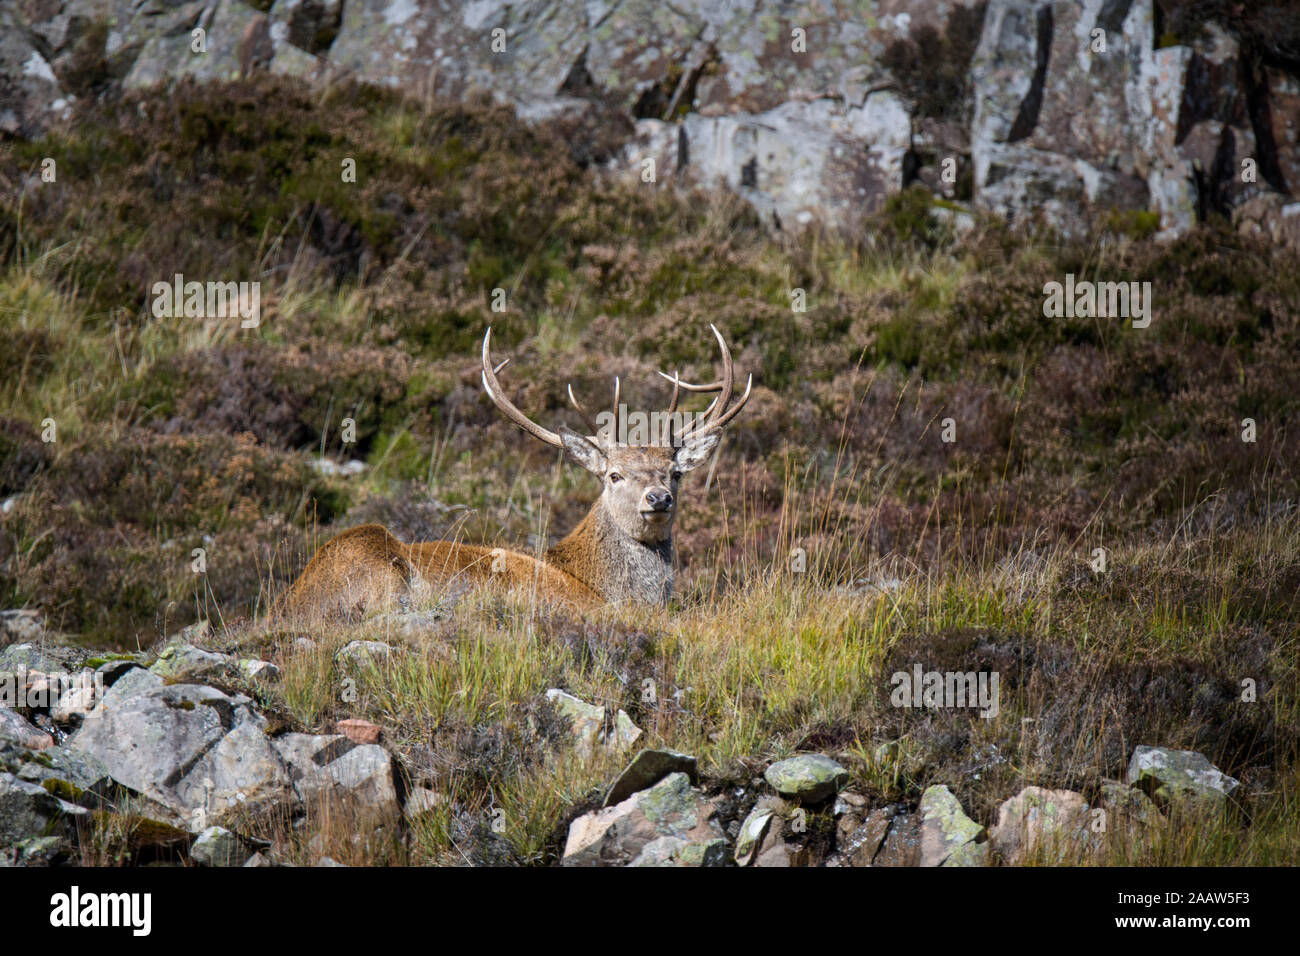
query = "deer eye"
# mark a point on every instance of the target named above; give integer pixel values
(614, 476)
(677, 476)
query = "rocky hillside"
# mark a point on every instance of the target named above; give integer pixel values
(1168, 111)
(938, 473)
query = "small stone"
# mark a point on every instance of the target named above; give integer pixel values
(259, 670)
(807, 777)
(365, 652)
(751, 834)
(217, 846)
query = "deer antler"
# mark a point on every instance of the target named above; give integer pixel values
(493, 388)
(507, 407)
(718, 413)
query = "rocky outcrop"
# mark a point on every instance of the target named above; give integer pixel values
(1078, 108)
(1080, 111)
(196, 754)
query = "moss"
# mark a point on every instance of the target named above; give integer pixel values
(1135, 223)
(63, 789)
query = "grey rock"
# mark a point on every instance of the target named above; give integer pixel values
(195, 752)
(217, 846)
(646, 769)
(20, 626)
(322, 765)
(620, 835)
(77, 776)
(28, 810)
(752, 832)
(1173, 775)
(422, 800)
(587, 722)
(17, 729)
(259, 670)
(948, 836)
(808, 777)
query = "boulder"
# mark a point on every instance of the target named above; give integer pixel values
(646, 769)
(195, 752)
(1037, 818)
(808, 777)
(324, 765)
(947, 836)
(1177, 775)
(72, 775)
(670, 824)
(28, 811)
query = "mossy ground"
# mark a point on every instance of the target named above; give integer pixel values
(1071, 434)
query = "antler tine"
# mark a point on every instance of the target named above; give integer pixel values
(677, 392)
(493, 389)
(711, 387)
(725, 396)
(721, 411)
(591, 422)
(617, 423)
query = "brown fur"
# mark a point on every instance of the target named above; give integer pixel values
(367, 568)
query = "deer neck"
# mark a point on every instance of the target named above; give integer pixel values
(607, 559)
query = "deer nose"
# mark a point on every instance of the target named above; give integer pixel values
(659, 500)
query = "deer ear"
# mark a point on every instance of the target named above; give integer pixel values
(583, 451)
(695, 451)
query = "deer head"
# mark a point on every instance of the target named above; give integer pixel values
(639, 481)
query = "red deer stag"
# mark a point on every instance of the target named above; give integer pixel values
(621, 551)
